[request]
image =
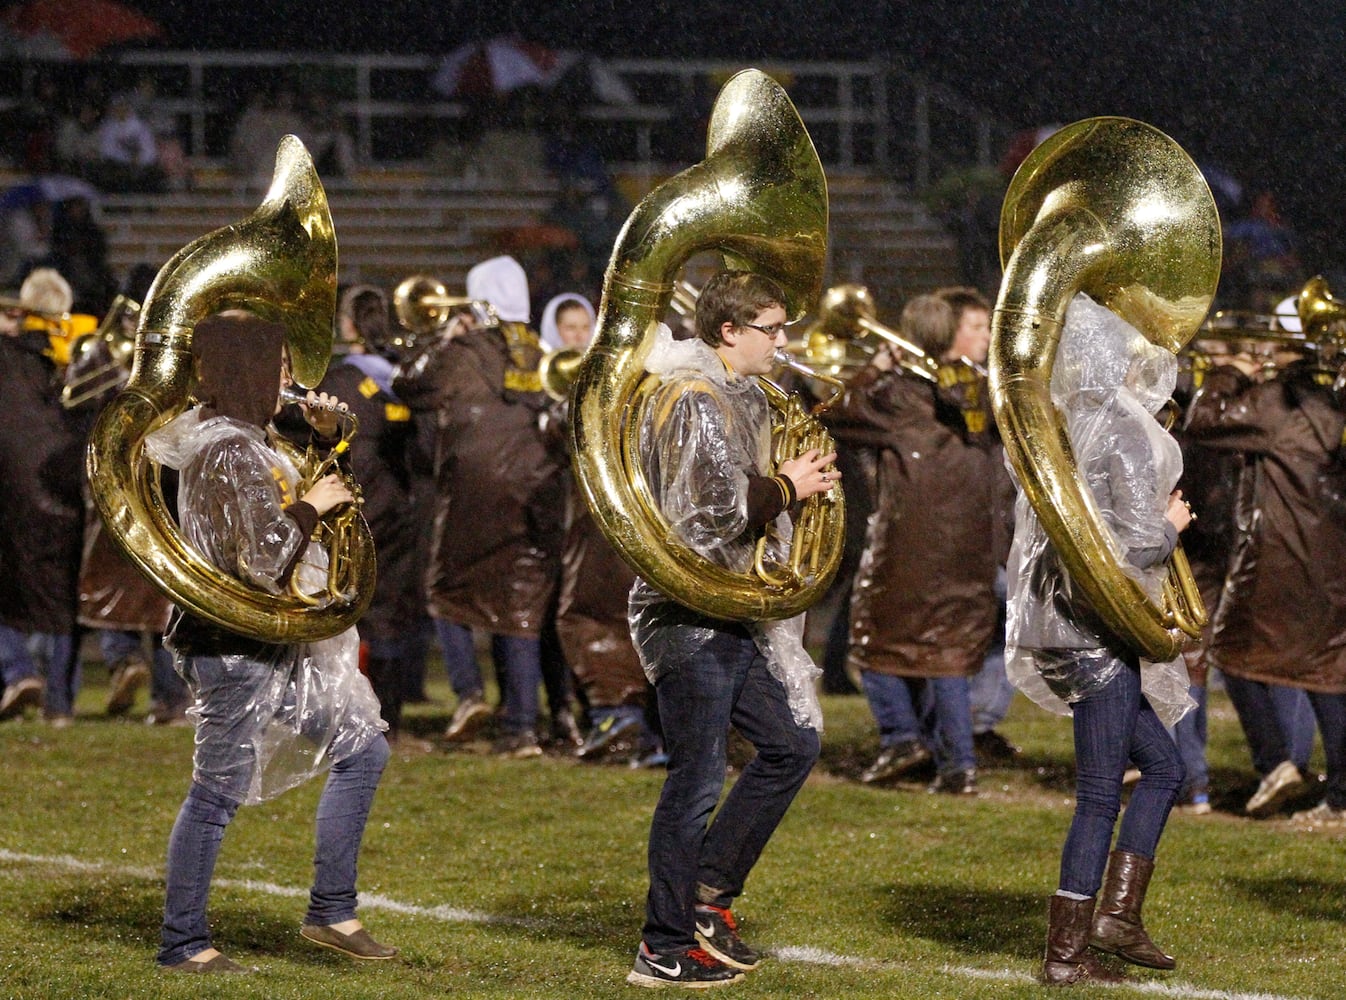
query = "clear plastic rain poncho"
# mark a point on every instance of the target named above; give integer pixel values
(704, 430)
(270, 721)
(1108, 382)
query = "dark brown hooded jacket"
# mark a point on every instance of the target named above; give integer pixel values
(923, 603)
(496, 545)
(1282, 615)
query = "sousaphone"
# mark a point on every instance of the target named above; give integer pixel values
(759, 198)
(1113, 208)
(280, 263)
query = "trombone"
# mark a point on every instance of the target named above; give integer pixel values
(423, 307)
(107, 351)
(846, 309)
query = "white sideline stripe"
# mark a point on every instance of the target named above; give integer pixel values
(453, 914)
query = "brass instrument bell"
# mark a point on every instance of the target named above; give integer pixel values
(1116, 209)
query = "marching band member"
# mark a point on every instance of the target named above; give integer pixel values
(1282, 616)
(494, 557)
(362, 376)
(268, 716)
(705, 447)
(41, 507)
(923, 606)
(1108, 381)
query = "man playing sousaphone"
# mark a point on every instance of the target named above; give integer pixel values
(705, 446)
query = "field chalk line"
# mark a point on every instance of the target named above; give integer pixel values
(458, 915)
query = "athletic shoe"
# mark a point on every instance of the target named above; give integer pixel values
(23, 693)
(954, 783)
(1198, 804)
(1280, 784)
(717, 932)
(895, 761)
(616, 732)
(125, 681)
(471, 714)
(992, 746)
(694, 969)
(1320, 815)
(517, 746)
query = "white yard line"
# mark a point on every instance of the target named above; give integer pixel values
(457, 915)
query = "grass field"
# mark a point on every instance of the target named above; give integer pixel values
(527, 878)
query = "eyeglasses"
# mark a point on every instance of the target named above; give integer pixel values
(772, 331)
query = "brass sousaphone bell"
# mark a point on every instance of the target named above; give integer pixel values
(279, 263)
(1113, 208)
(760, 199)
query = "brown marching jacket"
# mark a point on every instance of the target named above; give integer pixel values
(496, 541)
(379, 461)
(41, 506)
(923, 603)
(1282, 615)
(591, 615)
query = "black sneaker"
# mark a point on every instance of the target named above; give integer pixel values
(954, 783)
(717, 932)
(992, 746)
(693, 969)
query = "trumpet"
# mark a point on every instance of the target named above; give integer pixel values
(556, 371)
(423, 307)
(335, 531)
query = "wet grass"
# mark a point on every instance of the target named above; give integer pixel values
(539, 870)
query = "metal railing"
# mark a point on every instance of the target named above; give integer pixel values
(862, 114)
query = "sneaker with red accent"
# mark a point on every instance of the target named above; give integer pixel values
(693, 969)
(717, 932)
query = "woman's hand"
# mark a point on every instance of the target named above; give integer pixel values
(1179, 512)
(328, 492)
(320, 410)
(807, 473)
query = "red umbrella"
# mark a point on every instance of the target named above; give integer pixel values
(496, 66)
(74, 29)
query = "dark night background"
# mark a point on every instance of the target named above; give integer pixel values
(1251, 86)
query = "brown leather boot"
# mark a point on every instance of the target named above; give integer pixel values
(1068, 959)
(1117, 928)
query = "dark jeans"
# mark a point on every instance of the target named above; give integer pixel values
(726, 681)
(1330, 711)
(937, 711)
(1190, 735)
(1277, 722)
(1113, 726)
(194, 845)
(15, 661)
(518, 669)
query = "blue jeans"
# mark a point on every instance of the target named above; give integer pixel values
(989, 689)
(936, 711)
(692, 859)
(15, 661)
(195, 842)
(1190, 735)
(1330, 711)
(1112, 726)
(57, 656)
(1277, 722)
(518, 668)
